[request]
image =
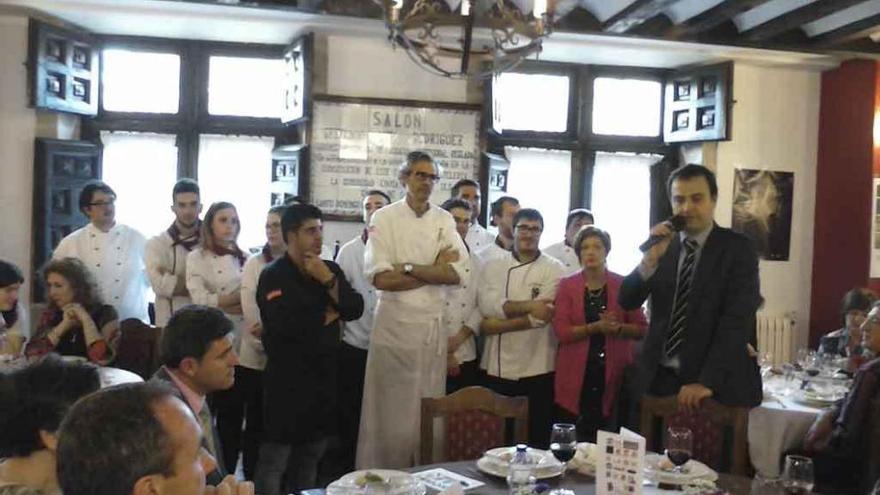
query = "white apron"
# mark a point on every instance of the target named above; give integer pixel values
(406, 362)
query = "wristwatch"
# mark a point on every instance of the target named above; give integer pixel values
(408, 268)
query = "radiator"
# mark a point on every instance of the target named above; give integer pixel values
(776, 337)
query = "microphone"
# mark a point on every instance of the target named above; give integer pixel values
(676, 221)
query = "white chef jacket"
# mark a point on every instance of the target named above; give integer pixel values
(478, 238)
(116, 259)
(252, 354)
(165, 262)
(525, 353)
(461, 310)
(489, 252)
(565, 255)
(407, 356)
(210, 275)
(351, 259)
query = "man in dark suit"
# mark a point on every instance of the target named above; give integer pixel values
(197, 359)
(704, 289)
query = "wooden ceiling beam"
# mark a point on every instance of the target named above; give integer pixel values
(796, 18)
(634, 14)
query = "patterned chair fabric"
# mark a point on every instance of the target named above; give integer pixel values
(470, 433)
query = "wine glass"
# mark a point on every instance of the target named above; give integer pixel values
(563, 445)
(679, 446)
(798, 475)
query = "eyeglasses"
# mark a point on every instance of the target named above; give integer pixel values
(103, 203)
(528, 229)
(426, 176)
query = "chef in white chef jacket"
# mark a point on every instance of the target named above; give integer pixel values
(477, 236)
(166, 253)
(113, 252)
(562, 251)
(413, 254)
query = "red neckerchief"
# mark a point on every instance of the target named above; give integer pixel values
(365, 235)
(188, 243)
(234, 251)
(267, 254)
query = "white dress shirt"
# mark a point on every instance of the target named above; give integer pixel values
(252, 354)
(351, 259)
(563, 253)
(461, 310)
(524, 353)
(165, 263)
(210, 275)
(116, 259)
(478, 238)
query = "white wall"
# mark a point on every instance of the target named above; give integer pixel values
(775, 127)
(18, 125)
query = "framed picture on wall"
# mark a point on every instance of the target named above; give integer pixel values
(358, 144)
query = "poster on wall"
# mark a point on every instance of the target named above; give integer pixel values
(875, 230)
(359, 145)
(762, 204)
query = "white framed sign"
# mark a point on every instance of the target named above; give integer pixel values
(358, 144)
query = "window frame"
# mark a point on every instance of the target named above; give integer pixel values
(192, 119)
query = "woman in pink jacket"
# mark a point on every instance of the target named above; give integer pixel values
(595, 335)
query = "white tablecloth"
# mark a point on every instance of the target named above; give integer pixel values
(779, 424)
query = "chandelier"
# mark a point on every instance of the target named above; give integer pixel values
(467, 39)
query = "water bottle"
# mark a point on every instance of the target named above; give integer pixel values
(519, 475)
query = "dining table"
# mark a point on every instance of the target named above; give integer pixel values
(582, 484)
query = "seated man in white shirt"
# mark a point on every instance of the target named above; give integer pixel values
(166, 253)
(113, 252)
(461, 316)
(356, 334)
(516, 299)
(469, 190)
(563, 251)
(501, 214)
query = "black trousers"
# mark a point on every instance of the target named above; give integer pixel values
(239, 413)
(352, 367)
(469, 375)
(539, 390)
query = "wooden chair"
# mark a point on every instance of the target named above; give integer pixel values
(710, 425)
(475, 420)
(138, 350)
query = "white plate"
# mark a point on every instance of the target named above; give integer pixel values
(814, 399)
(398, 483)
(494, 462)
(693, 470)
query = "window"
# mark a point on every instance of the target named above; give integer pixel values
(540, 179)
(142, 169)
(621, 194)
(237, 169)
(137, 81)
(626, 107)
(246, 87)
(533, 102)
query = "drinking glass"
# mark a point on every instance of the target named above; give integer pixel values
(563, 445)
(798, 475)
(679, 446)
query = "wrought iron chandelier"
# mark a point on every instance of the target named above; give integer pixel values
(468, 39)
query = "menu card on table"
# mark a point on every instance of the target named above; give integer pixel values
(620, 462)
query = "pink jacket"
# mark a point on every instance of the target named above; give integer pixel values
(572, 355)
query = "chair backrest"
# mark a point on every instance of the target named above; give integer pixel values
(138, 350)
(475, 420)
(709, 426)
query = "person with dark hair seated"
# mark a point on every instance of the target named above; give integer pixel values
(13, 317)
(839, 440)
(136, 439)
(76, 322)
(33, 401)
(847, 341)
(197, 359)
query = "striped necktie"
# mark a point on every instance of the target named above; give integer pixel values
(682, 294)
(207, 424)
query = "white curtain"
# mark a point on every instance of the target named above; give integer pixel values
(142, 169)
(237, 169)
(621, 203)
(541, 179)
